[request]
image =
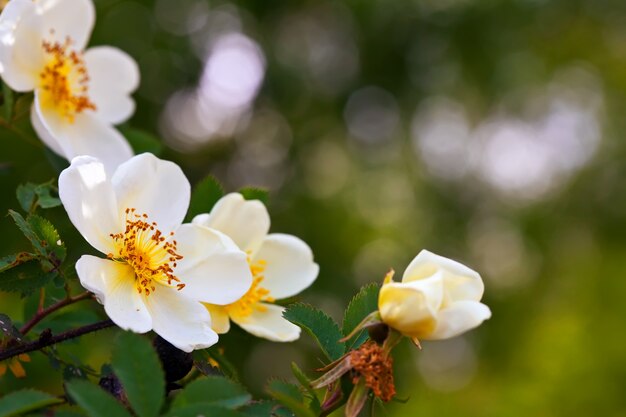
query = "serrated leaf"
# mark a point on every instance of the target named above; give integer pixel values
(204, 196)
(290, 396)
(94, 400)
(25, 278)
(142, 141)
(362, 304)
(138, 368)
(215, 390)
(8, 101)
(306, 384)
(11, 261)
(206, 410)
(255, 193)
(7, 327)
(22, 402)
(320, 326)
(49, 238)
(27, 230)
(45, 199)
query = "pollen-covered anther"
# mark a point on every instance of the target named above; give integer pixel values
(64, 80)
(255, 295)
(144, 247)
(376, 366)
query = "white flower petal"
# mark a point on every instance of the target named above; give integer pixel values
(183, 322)
(87, 135)
(269, 323)
(220, 321)
(114, 285)
(245, 222)
(458, 318)
(289, 265)
(461, 282)
(113, 75)
(62, 19)
(90, 203)
(213, 269)
(155, 187)
(21, 52)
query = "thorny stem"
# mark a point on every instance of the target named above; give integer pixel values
(54, 307)
(46, 339)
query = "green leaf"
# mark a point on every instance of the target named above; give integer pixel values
(7, 327)
(208, 410)
(142, 141)
(265, 409)
(306, 384)
(30, 196)
(137, 366)
(26, 196)
(22, 402)
(362, 304)
(27, 230)
(255, 193)
(205, 195)
(215, 390)
(49, 239)
(290, 396)
(25, 278)
(320, 326)
(94, 400)
(7, 107)
(11, 261)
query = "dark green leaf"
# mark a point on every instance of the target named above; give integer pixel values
(45, 199)
(206, 410)
(142, 141)
(26, 196)
(14, 260)
(265, 409)
(95, 401)
(320, 326)
(204, 196)
(7, 106)
(362, 304)
(22, 402)
(27, 230)
(254, 193)
(7, 327)
(25, 278)
(215, 390)
(290, 396)
(137, 366)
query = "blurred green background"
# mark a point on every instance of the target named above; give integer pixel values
(488, 131)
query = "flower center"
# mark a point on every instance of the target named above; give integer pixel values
(251, 300)
(64, 81)
(148, 252)
(376, 366)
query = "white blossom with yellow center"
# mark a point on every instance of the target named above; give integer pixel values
(157, 272)
(438, 298)
(282, 266)
(79, 94)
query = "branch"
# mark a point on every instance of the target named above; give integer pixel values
(46, 339)
(54, 307)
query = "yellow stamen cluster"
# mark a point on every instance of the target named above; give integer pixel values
(148, 251)
(64, 80)
(252, 299)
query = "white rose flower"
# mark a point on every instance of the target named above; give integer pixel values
(78, 94)
(438, 298)
(157, 271)
(282, 266)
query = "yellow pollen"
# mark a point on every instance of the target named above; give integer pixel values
(151, 254)
(64, 80)
(252, 299)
